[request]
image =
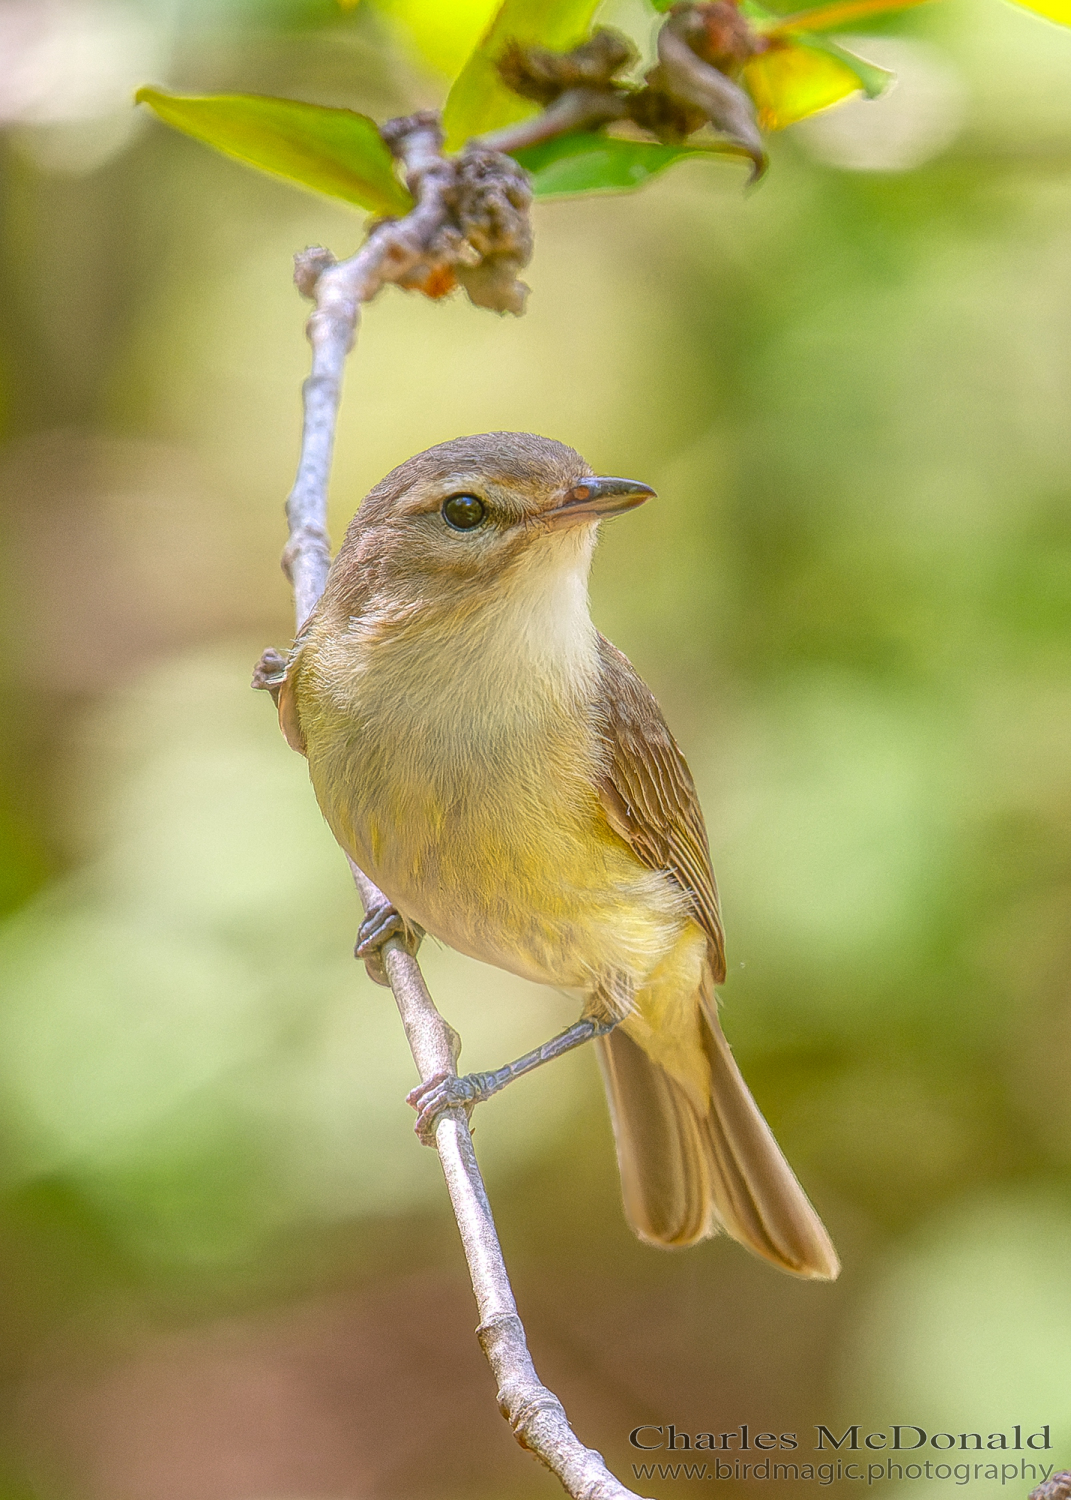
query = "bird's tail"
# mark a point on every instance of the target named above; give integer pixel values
(686, 1174)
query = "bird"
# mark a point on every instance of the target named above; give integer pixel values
(505, 778)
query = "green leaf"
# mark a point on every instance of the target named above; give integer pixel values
(333, 151)
(843, 13)
(1052, 10)
(479, 101)
(874, 80)
(442, 34)
(796, 79)
(589, 163)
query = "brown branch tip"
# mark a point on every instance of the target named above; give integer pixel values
(1056, 1487)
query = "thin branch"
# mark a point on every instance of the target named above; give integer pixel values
(339, 291)
(575, 109)
(446, 234)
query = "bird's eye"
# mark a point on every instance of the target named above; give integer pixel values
(463, 512)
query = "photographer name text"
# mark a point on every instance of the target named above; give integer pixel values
(904, 1437)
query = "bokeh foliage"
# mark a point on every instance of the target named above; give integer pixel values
(851, 388)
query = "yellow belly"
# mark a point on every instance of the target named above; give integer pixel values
(524, 875)
(483, 825)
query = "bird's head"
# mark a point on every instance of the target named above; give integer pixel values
(467, 519)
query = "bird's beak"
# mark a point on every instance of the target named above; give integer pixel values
(595, 499)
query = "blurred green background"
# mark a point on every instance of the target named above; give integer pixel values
(227, 1270)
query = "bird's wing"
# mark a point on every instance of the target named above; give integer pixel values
(649, 797)
(289, 721)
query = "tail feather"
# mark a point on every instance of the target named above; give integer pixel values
(758, 1198)
(661, 1149)
(685, 1174)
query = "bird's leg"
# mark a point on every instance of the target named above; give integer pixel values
(381, 923)
(445, 1090)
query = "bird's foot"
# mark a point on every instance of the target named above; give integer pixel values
(269, 672)
(444, 1091)
(381, 923)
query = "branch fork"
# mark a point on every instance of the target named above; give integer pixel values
(702, 48)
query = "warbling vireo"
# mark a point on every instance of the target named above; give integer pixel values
(506, 779)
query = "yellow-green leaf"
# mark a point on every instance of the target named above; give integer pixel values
(1052, 10)
(479, 101)
(586, 162)
(443, 35)
(333, 151)
(874, 80)
(841, 13)
(797, 79)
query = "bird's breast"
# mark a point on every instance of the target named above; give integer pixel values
(464, 782)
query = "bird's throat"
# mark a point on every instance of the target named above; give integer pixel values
(519, 646)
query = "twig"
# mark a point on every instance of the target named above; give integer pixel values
(575, 109)
(339, 290)
(446, 233)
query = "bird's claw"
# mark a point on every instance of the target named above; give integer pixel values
(440, 1092)
(380, 924)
